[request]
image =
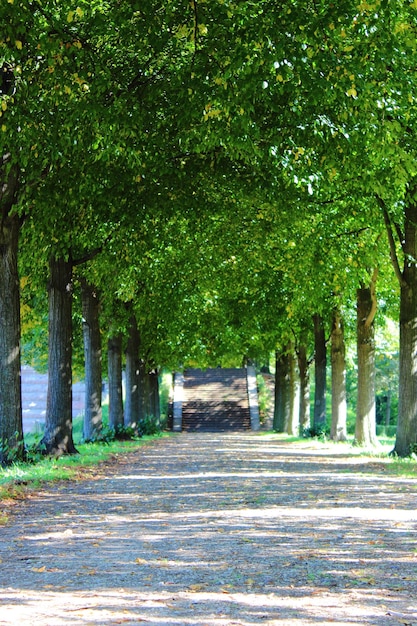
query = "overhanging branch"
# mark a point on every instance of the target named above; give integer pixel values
(391, 241)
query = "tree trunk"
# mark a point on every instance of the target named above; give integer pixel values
(155, 397)
(338, 360)
(406, 438)
(304, 374)
(11, 428)
(293, 418)
(133, 382)
(388, 408)
(114, 357)
(142, 391)
(92, 353)
(282, 392)
(57, 438)
(320, 363)
(365, 428)
(152, 408)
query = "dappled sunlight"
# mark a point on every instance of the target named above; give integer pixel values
(207, 534)
(161, 608)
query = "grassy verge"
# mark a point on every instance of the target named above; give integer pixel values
(380, 455)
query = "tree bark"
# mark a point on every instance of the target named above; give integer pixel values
(133, 383)
(57, 438)
(388, 408)
(320, 363)
(282, 405)
(338, 430)
(11, 428)
(93, 360)
(155, 397)
(293, 418)
(304, 374)
(152, 409)
(406, 437)
(365, 428)
(114, 358)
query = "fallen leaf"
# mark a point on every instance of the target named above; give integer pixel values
(196, 587)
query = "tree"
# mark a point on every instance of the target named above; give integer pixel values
(338, 361)
(93, 361)
(365, 429)
(282, 405)
(304, 374)
(114, 360)
(406, 438)
(11, 429)
(57, 438)
(133, 412)
(320, 367)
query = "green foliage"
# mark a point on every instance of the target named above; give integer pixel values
(385, 431)
(265, 399)
(321, 433)
(10, 452)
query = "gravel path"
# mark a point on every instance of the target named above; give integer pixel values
(216, 529)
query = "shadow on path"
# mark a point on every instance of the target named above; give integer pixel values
(216, 529)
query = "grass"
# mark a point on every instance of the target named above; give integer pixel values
(402, 467)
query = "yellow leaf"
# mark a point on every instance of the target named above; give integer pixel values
(3, 128)
(280, 78)
(70, 17)
(3, 105)
(79, 11)
(39, 569)
(18, 44)
(139, 561)
(413, 5)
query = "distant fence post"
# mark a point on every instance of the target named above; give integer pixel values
(178, 399)
(253, 398)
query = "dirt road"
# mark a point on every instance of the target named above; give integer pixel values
(216, 529)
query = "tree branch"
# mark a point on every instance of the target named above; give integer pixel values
(393, 251)
(89, 256)
(374, 302)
